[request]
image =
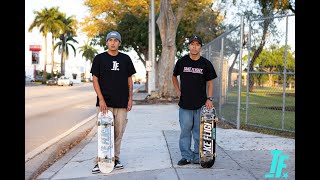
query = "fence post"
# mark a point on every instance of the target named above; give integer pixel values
(240, 74)
(220, 74)
(285, 75)
(248, 70)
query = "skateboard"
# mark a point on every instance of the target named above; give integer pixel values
(105, 142)
(207, 144)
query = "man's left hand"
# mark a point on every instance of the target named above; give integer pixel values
(209, 104)
(129, 105)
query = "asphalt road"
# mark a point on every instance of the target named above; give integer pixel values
(52, 110)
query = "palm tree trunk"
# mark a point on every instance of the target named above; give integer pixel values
(61, 63)
(44, 75)
(52, 57)
(85, 70)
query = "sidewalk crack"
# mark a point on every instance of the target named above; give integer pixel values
(175, 169)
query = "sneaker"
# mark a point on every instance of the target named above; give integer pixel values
(196, 161)
(96, 169)
(118, 165)
(183, 161)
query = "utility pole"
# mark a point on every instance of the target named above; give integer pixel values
(150, 64)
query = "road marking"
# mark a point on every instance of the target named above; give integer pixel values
(44, 146)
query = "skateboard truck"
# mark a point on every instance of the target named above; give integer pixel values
(106, 159)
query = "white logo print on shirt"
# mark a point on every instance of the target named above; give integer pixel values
(115, 66)
(193, 70)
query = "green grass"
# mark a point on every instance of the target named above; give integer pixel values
(264, 109)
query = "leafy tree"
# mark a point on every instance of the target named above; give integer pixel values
(133, 28)
(122, 15)
(267, 10)
(272, 60)
(48, 22)
(207, 24)
(66, 37)
(63, 48)
(170, 16)
(88, 52)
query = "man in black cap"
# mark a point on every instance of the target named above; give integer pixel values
(195, 89)
(112, 81)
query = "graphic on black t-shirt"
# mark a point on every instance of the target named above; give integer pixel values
(115, 66)
(112, 73)
(193, 70)
(193, 78)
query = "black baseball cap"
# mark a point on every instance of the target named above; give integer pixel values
(195, 38)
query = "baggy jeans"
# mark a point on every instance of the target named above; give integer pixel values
(120, 123)
(190, 126)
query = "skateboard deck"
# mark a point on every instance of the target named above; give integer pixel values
(207, 144)
(106, 142)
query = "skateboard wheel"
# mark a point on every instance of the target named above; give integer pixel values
(98, 123)
(207, 164)
(215, 155)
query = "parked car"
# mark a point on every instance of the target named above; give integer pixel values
(52, 82)
(63, 80)
(38, 78)
(29, 79)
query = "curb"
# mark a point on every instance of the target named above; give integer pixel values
(44, 146)
(57, 149)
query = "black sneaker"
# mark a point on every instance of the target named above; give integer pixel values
(184, 161)
(96, 169)
(117, 165)
(196, 161)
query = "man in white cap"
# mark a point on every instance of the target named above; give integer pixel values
(112, 81)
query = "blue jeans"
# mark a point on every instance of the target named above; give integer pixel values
(190, 126)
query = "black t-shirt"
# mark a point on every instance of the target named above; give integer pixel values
(193, 78)
(112, 73)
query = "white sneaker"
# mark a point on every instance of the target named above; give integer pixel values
(96, 169)
(118, 165)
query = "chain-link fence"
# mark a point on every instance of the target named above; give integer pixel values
(270, 94)
(223, 52)
(256, 78)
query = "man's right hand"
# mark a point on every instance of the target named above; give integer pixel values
(178, 93)
(103, 106)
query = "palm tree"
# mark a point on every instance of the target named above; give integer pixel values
(47, 21)
(67, 34)
(63, 45)
(88, 52)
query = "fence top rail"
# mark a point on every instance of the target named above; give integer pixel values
(271, 17)
(257, 72)
(220, 36)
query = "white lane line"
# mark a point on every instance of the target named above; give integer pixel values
(44, 146)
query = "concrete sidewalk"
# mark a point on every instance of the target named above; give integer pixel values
(150, 150)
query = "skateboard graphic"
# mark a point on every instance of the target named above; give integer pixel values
(207, 144)
(105, 142)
